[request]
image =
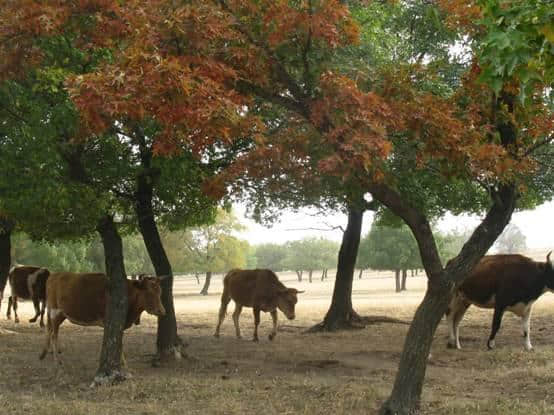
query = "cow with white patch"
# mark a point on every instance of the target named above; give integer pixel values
(502, 282)
(28, 283)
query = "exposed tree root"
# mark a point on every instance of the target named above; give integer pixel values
(352, 321)
(109, 379)
(171, 354)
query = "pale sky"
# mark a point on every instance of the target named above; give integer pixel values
(537, 225)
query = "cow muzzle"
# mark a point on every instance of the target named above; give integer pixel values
(291, 316)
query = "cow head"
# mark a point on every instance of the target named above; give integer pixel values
(150, 295)
(286, 301)
(549, 273)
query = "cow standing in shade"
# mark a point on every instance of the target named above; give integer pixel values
(259, 289)
(502, 282)
(81, 298)
(28, 283)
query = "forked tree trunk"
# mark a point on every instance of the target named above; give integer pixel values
(404, 276)
(341, 314)
(6, 228)
(168, 344)
(406, 393)
(110, 367)
(299, 275)
(206, 283)
(397, 280)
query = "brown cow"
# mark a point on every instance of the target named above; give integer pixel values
(502, 282)
(28, 283)
(81, 298)
(259, 289)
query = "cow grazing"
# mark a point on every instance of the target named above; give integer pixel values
(28, 283)
(502, 282)
(81, 298)
(259, 289)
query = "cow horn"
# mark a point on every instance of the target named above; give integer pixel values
(548, 258)
(299, 292)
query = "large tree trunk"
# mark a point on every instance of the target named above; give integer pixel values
(6, 227)
(404, 276)
(110, 367)
(397, 280)
(168, 344)
(341, 314)
(206, 283)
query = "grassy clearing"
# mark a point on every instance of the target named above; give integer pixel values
(340, 373)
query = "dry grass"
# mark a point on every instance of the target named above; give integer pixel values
(343, 373)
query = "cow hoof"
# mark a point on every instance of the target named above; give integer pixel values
(42, 355)
(490, 344)
(450, 346)
(271, 337)
(32, 320)
(16, 320)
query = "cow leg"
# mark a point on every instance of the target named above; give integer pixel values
(526, 325)
(57, 320)
(43, 307)
(454, 315)
(9, 312)
(256, 323)
(236, 315)
(274, 331)
(36, 304)
(46, 348)
(222, 311)
(496, 320)
(14, 305)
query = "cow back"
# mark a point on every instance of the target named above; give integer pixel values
(81, 297)
(494, 274)
(247, 287)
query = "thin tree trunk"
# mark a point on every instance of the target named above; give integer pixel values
(196, 275)
(310, 275)
(341, 313)
(110, 367)
(299, 275)
(322, 275)
(397, 280)
(206, 283)
(404, 276)
(360, 274)
(6, 227)
(169, 345)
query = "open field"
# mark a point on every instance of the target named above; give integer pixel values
(340, 373)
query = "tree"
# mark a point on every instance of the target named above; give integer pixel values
(309, 254)
(270, 256)
(214, 249)
(390, 248)
(511, 240)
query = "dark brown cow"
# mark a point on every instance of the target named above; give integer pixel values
(81, 298)
(502, 282)
(259, 289)
(28, 283)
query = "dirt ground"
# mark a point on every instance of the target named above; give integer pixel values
(341, 373)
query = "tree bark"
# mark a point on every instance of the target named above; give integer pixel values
(207, 281)
(341, 314)
(169, 345)
(6, 227)
(110, 367)
(397, 280)
(404, 276)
